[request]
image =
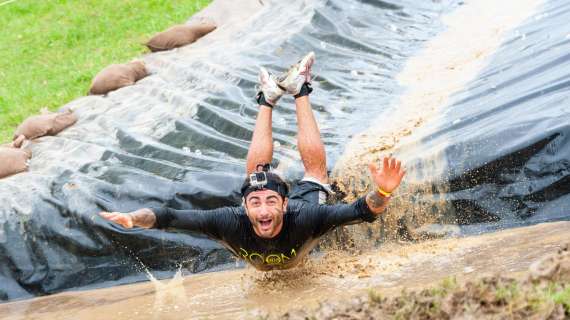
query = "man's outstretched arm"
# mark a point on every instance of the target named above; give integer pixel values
(210, 222)
(386, 181)
(367, 208)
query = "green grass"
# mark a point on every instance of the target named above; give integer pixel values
(503, 298)
(51, 49)
(563, 298)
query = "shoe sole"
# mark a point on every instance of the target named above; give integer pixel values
(307, 61)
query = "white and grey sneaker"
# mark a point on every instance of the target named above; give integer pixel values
(268, 86)
(300, 73)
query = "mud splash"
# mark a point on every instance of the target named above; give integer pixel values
(445, 66)
(331, 277)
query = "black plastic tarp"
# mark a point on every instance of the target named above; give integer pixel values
(507, 133)
(179, 138)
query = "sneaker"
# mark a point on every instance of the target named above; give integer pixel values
(268, 86)
(297, 75)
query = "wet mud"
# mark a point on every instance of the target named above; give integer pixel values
(542, 293)
(332, 277)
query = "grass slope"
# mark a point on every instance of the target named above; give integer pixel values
(50, 50)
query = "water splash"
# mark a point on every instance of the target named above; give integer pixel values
(169, 295)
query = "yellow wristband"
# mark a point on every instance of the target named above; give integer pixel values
(384, 193)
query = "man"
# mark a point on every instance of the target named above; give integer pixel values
(275, 228)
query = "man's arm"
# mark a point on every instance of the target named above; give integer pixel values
(323, 218)
(211, 222)
(376, 202)
(144, 218)
(366, 208)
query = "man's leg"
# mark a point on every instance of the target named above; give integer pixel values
(261, 148)
(309, 141)
(296, 81)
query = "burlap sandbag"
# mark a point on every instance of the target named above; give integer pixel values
(13, 160)
(179, 35)
(44, 124)
(117, 76)
(17, 143)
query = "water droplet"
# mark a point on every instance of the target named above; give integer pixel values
(468, 269)
(323, 45)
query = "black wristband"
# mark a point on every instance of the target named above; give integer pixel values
(260, 98)
(306, 89)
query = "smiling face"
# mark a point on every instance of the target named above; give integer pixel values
(265, 209)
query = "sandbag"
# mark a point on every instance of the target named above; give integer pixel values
(42, 125)
(18, 141)
(117, 76)
(178, 36)
(13, 160)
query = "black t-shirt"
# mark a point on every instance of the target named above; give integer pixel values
(303, 225)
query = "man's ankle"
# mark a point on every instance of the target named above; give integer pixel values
(260, 98)
(306, 90)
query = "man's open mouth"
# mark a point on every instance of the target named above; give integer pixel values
(265, 224)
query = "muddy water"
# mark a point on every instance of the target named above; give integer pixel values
(246, 293)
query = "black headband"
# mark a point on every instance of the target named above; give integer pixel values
(273, 183)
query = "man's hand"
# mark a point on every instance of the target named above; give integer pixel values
(144, 218)
(387, 179)
(124, 219)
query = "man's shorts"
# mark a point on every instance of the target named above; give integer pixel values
(310, 190)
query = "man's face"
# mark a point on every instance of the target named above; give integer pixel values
(265, 209)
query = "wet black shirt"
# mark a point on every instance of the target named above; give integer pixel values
(303, 225)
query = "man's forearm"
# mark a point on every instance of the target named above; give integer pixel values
(376, 202)
(144, 218)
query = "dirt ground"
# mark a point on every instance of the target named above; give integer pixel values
(542, 293)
